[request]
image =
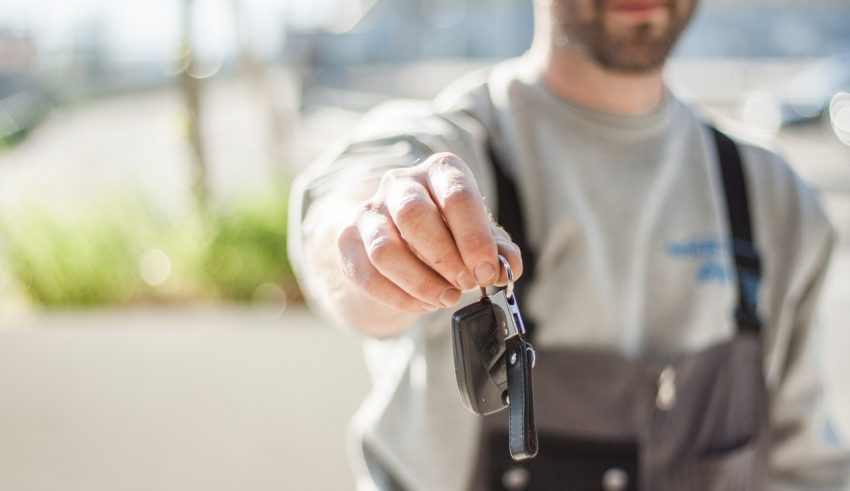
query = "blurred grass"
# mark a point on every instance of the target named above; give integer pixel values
(95, 256)
(246, 247)
(89, 262)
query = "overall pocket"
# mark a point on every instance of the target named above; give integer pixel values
(731, 469)
(714, 439)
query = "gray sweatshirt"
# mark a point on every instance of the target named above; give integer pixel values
(627, 216)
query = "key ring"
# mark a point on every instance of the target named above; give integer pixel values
(509, 273)
(509, 290)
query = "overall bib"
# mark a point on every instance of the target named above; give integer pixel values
(698, 421)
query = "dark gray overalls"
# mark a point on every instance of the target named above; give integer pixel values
(609, 423)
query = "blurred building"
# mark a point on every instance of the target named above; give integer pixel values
(402, 32)
(768, 28)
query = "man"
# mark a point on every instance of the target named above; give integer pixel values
(660, 364)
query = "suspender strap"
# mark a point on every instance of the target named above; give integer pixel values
(510, 214)
(747, 260)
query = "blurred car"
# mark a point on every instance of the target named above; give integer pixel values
(22, 105)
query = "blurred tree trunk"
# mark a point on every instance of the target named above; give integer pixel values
(192, 98)
(279, 119)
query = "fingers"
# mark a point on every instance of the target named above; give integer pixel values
(459, 201)
(422, 227)
(357, 268)
(394, 260)
(425, 236)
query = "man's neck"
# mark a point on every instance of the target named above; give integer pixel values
(576, 77)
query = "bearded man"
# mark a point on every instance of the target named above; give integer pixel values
(671, 273)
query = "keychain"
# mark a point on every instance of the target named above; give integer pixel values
(494, 361)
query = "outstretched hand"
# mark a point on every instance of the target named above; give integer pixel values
(424, 237)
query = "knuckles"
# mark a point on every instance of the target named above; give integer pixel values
(394, 175)
(411, 211)
(445, 159)
(366, 279)
(426, 289)
(479, 245)
(459, 196)
(354, 266)
(347, 237)
(382, 249)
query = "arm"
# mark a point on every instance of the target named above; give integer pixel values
(807, 453)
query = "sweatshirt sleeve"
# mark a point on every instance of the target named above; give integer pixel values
(807, 451)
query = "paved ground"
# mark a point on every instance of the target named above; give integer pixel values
(206, 399)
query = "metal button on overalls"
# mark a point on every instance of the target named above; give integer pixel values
(615, 479)
(516, 478)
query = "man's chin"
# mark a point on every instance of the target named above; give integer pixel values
(632, 58)
(633, 69)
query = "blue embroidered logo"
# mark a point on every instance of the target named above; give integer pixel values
(712, 255)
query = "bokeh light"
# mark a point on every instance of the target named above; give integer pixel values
(155, 267)
(761, 111)
(839, 116)
(273, 296)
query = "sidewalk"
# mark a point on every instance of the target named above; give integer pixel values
(205, 399)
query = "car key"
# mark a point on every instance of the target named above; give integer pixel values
(494, 361)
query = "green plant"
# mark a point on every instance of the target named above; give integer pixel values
(120, 251)
(88, 259)
(247, 247)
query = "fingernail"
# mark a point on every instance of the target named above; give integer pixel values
(429, 308)
(484, 273)
(449, 297)
(465, 281)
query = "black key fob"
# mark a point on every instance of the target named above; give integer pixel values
(494, 362)
(479, 353)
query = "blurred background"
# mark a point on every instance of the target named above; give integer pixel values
(150, 327)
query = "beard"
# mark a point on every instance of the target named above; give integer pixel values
(633, 49)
